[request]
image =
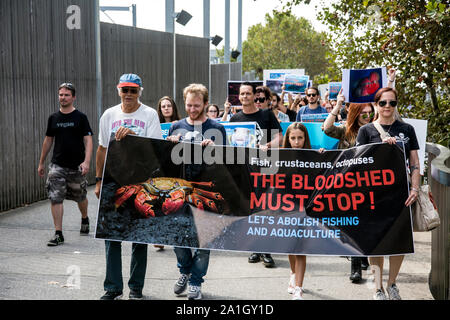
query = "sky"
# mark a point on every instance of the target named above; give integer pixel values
(151, 15)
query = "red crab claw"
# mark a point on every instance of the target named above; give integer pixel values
(208, 194)
(195, 201)
(141, 204)
(124, 193)
(205, 202)
(174, 203)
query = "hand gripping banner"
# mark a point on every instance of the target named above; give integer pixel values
(288, 201)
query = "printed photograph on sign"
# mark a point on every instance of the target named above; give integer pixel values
(233, 91)
(360, 86)
(295, 84)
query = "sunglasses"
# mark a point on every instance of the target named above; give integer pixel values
(67, 85)
(383, 103)
(311, 95)
(260, 100)
(366, 115)
(131, 90)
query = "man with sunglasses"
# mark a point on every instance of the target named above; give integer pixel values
(313, 106)
(269, 135)
(129, 117)
(72, 134)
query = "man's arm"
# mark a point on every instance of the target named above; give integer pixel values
(46, 146)
(99, 164)
(88, 154)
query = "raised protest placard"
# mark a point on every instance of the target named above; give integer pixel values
(295, 84)
(333, 90)
(288, 201)
(360, 86)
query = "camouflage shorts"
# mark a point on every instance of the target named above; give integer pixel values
(65, 183)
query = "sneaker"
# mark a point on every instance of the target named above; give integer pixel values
(298, 294)
(291, 285)
(379, 295)
(364, 263)
(254, 257)
(55, 241)
(268, 261)
(194, 292)
(84, 230)
(393, 292)
(180, 285)
(112, 295)
(135, 295)
(355, 273)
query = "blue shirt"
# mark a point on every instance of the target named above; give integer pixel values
(209, 129)
(306, 110)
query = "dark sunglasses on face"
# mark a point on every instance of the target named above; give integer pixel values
(383, 103)
(366, 115)
(131, 90)
(311, 95)
(260, 100)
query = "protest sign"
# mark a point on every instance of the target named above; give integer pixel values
(295, 84)
(316, 135)
(360, 86)
(240, 134)
(233, 91)
(288, 201)
(333, 90)
(314, 117)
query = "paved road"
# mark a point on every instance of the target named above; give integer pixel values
(30, 270)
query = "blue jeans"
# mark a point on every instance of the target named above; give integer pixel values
(194, 263)
(113, 280)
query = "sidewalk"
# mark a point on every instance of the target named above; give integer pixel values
(30, 270)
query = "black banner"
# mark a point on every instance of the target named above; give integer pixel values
(340, 202)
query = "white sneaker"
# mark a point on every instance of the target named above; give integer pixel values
(291, 286)
(379, 295)
(393, 292)
(194, 292)
(298, 294)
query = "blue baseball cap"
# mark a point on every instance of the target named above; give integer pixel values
(129, 80)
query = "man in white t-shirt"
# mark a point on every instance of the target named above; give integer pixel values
(129, 117)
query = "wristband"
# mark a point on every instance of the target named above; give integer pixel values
(415, 189)
(97, 179)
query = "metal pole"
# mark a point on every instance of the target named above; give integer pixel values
(133, 8)
(239, 59)
(227, 32)
(206, 25)
(174, 65)
(170, 9)
(98, 59)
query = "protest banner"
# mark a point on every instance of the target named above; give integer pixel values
(288, 201)
(314, 117)
(360, 86)
(233, 91)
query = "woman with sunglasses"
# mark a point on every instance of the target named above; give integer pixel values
(359, 114)
(398, 132)
(167, 110)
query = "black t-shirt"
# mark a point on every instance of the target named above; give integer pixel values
(68, 131)
(266, 123)
(402, 131)
(291, 114)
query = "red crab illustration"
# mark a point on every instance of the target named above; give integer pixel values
(172, 192)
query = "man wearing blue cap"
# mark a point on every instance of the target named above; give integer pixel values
(129, 117)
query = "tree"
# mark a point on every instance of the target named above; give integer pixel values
(285, 42)
(412, 36)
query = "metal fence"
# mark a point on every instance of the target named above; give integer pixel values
(44, 43)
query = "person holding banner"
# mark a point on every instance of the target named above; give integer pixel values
(193, 264)
(313, 106)
(129, 117)
(359, 114)
(167, 110)
(266, 122)
(402, 134)
(296, 137)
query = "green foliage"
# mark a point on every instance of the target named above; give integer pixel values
(412, 36)
(285, 42)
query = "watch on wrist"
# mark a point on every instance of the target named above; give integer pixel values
(97, 179)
